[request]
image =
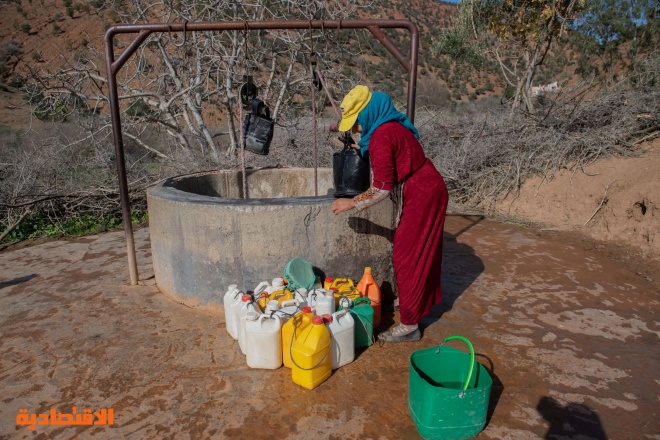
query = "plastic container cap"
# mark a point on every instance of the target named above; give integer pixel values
(334, 289)
(327, 318)
(367, 269)
(246, 298)
(307, 309)
(278, 282)
(329, 279)
(233, 287)
(317, 320)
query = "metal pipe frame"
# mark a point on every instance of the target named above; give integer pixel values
(144, 30)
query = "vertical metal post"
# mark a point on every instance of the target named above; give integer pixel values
(119, 157)
(412, 73)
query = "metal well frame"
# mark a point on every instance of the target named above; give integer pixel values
(113, 66)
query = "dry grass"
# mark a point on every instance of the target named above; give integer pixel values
(68, 170)
(486, 155)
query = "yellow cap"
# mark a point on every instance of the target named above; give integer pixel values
(353, 103)
(367, 269)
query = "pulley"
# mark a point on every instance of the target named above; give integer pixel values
(248, 92)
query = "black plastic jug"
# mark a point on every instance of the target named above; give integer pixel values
(351, 172)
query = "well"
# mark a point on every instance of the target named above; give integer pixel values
(205, 236)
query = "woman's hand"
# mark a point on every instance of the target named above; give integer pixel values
(341, 205)
(340, 141)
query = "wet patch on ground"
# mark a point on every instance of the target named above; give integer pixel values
(569, 334)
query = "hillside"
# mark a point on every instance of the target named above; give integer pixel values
(43, 33)
(46, 35)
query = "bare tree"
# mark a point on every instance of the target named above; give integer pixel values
(187, 84)
(517, 35)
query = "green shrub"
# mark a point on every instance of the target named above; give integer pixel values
(138, 109)
(4, 70)
(17, 81)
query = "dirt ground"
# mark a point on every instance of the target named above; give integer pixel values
(613, 200)
(564, 315)
(569, 334)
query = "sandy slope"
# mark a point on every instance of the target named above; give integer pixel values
(615, 199)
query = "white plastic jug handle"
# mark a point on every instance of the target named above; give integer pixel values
(289, 302)
(339, 313)
(264, 316)
(260, 288)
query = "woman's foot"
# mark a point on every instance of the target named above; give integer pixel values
(401, 333)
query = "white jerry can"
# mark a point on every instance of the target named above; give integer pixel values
(231, 301)
(263, 340)
(342, 330)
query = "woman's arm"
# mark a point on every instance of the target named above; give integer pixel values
(370, 197)
(360, 202)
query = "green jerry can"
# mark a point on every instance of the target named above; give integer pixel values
(363, 315)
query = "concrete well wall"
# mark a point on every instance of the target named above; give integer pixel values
(205, 236)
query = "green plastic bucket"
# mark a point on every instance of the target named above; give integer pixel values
(448, 392)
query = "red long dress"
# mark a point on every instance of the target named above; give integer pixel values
(396, 157)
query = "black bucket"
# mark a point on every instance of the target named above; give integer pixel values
(351, 172)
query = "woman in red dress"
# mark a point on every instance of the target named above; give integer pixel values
(401, 170)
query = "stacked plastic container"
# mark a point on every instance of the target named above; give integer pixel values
(312, 329)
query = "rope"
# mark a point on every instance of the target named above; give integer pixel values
(245, 35)
(366, 331)
(327, 92)
(293, 336)
(169, 27)
(316, 165)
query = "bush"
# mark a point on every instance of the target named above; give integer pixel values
(10, 49)
(37, 56)
(17, 81)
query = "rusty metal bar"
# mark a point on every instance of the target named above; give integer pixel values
(143, 31)
(412, 73)
(120, 161)
(129, 50)
(389, 45)
(257, 25)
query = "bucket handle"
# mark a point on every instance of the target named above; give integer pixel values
(469, 344)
